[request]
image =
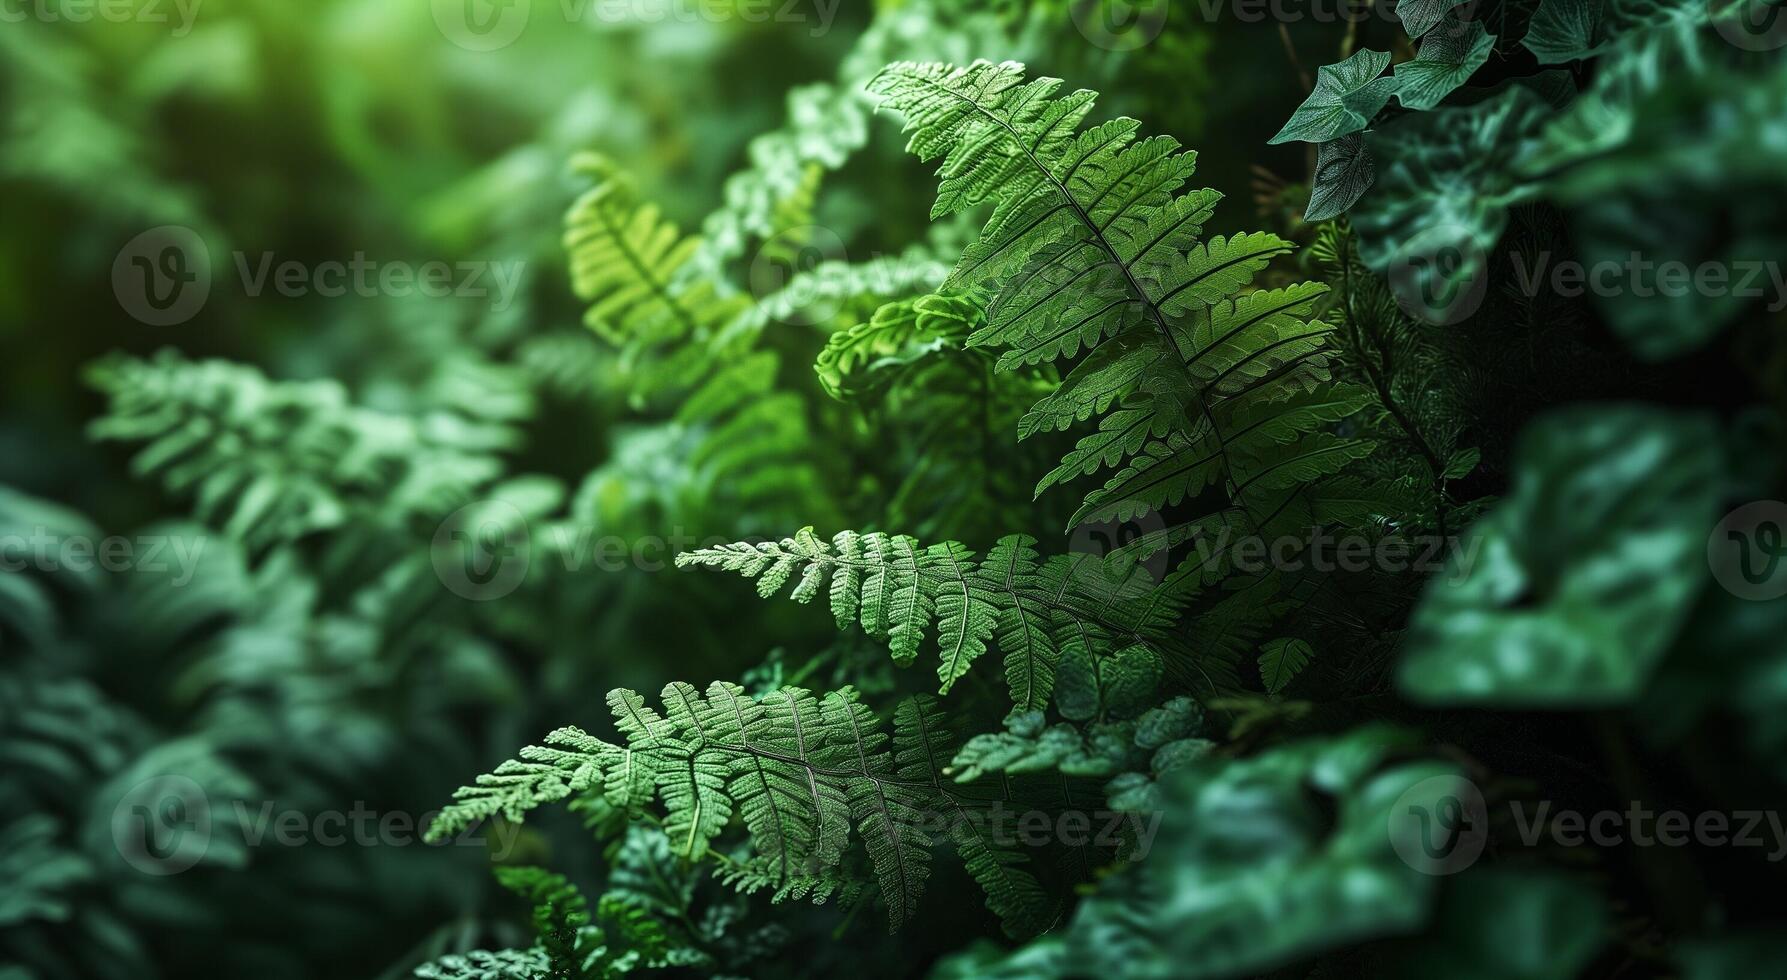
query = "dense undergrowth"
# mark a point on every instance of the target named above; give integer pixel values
(1184, 586)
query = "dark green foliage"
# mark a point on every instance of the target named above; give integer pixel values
(1581, 577)
(1382, 554)
(1265, 859)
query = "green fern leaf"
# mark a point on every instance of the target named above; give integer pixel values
(1023, 622)
(1093, 252)
(800, 772)
(896, 588)
(966, 616)
(626, 262)
(1281, 660)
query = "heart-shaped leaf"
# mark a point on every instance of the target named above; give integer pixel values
(1343, 173)
(1346, 96)
(1570, 591)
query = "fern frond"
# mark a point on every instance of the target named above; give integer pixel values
(898, 333)
(561, 917)
(626, 262)
(826, 124)
(271, 461)
(757, 875)
(897, 589)
(627, 930)
(1281, 660)
(1128, 755)
(801, 772)
(1101, 750)
(1093, 252)
(683, 340)
(846, 292)
(569, 762)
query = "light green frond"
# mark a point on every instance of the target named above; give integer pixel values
(898, 590)
(626, 262)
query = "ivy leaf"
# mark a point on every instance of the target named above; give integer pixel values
(1508, 924)
(1346, 96)
(1419, 16)
(1561, 31)
(1446, 180)
(1343, 173)
(1571, 30)
(1660, 323)
(1447, 59)
(1281, 660)
(1270, 859)
(1570, 591)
